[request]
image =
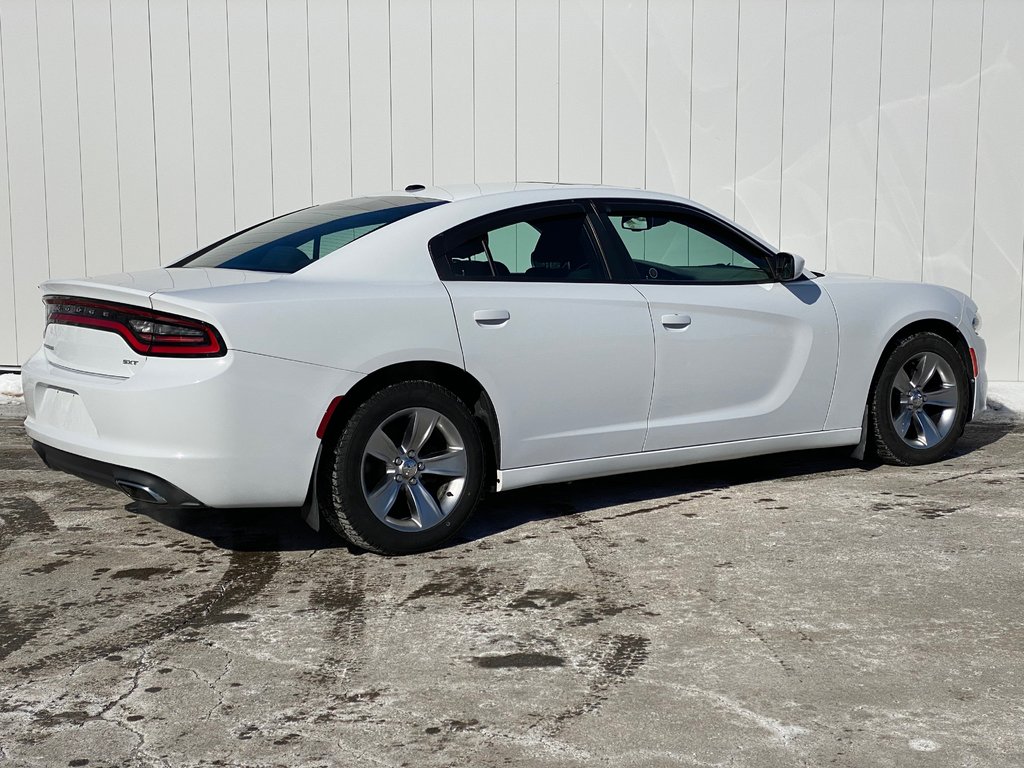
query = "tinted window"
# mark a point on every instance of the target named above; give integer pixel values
(671, 247)
(534, 247)
(295, 240)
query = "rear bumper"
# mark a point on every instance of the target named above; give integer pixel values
(140, 486)
(235, 431)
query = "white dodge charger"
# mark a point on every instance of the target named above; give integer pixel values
(386, 360)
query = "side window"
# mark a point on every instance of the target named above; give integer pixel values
(332, 241)
(541, 248)
(667, 248)
(328, 242)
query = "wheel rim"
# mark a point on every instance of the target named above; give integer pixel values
(414, 469)
(924, 400)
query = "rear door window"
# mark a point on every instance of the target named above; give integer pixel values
(540, 245)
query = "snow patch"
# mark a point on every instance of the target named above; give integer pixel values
(10, 389)
(1005, 401)
(781, 731)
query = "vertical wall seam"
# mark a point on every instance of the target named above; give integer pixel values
(558, 95)
(603, 43)
(433, 128)
(878, 136)
(348, 56)
(7, 177)
(391, 103)
(192, 122)
(78, 126)
(647, 75)
(231, 118)
(736, 112)
(515, 89)
(42, 146)
(689, 148)
(828, 139)
(782, 117)
(270, 109)
(472, 70)
(152, 105)
(977, 146)
(117, 132)
(927, 129)
(309, 112)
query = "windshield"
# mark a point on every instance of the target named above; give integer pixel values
(295, 240)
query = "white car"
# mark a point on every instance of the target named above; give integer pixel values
(386, 360)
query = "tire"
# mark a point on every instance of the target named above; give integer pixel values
(408, 470)
(920, 401)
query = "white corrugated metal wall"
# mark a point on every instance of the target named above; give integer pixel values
(878, 136)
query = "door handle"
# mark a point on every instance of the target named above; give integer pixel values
(675, 322)
(491, 317)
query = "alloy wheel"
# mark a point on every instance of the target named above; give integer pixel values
(924, 400)
(414, 469)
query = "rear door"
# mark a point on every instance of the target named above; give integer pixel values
(566, 355)
(739, 354)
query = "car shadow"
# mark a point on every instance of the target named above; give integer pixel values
(506, 511)
(265, 529)
(284, 530)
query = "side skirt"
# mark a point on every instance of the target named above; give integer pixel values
(672, 457)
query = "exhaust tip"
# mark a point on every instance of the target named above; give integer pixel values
(139, 492)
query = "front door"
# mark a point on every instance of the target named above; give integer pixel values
(739, 354)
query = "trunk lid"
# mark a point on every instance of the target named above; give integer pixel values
(106, 353)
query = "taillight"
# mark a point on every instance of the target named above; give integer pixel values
(149, 333)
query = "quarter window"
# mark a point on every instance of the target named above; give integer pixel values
(669, 247)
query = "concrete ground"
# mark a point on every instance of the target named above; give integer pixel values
(797, 610)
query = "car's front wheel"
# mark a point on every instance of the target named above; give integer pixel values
(408, 470)
(920, 402)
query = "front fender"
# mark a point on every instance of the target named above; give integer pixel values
(872, 312)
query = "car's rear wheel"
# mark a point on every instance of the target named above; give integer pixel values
(919, 405)
(408, 470)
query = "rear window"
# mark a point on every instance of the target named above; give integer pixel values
(295, 240)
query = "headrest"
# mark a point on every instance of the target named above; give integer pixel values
(467, 250)
(558, 245)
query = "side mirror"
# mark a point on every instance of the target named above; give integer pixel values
(788, 266)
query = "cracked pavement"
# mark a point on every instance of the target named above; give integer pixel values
(792, 610)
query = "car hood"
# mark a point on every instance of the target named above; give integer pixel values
(840, 278)
(849, 277)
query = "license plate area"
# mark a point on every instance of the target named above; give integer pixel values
(63, 409)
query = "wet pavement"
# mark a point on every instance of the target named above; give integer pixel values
(795, 610)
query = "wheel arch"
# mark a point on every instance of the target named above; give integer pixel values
(936, 325)
(463, 384)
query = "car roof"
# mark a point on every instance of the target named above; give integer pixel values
(510, 194)
(384, 254)
(455, 192)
